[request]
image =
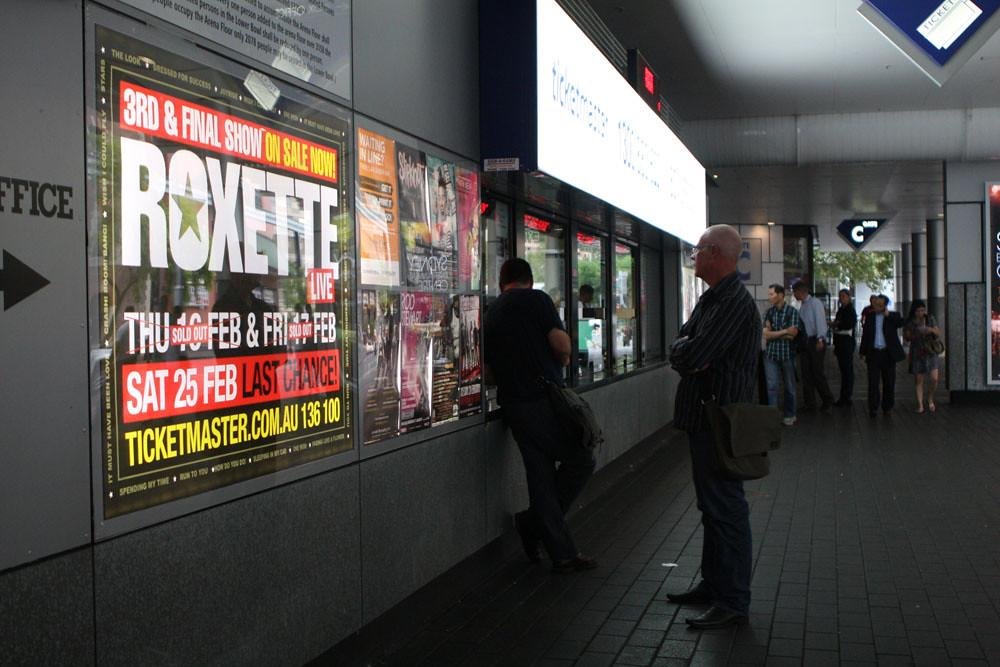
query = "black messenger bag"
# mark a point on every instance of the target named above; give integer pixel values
(743, 433)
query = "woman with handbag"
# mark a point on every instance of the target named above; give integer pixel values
(924, 336)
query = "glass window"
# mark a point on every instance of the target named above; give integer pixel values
(496, 223)
(497, 248)
(545, 251)
(651, 305)
(625, 225)
(624, 313)
(691, 287)
(590, 277)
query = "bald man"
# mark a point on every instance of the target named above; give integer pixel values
(716, 355)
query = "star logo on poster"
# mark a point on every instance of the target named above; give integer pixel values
(189, 208)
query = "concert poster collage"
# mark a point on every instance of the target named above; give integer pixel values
(420, 268)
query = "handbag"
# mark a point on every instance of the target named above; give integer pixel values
(575, 416)
(934, 345)
(743, 433)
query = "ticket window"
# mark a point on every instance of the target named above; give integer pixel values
(651, 306)
(545, 252)
(624, 311)
(590, 279)
(497, 244)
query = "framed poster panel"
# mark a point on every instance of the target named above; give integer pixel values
(992, 223)
(421, 264)
(222, 256)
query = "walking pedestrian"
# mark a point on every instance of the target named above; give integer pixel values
(882, 350)
(922, 331)
(844, 324)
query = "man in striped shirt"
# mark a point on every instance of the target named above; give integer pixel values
(781, 324)
(716, 356)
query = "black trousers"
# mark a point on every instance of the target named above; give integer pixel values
(843, 348)
(726, 550)
(814, 375)
(881, 380)
(556, 472)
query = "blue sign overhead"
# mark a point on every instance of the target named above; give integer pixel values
(939, 29)
(858, 232)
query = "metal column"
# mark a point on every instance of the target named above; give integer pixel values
(906, 296)
(935, 270)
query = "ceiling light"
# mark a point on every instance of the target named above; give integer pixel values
(770, 223)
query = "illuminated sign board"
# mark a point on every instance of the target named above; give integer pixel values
(556, 105)
(858, 232)
(595, 133)
(992, 222)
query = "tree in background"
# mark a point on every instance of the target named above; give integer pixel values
(853, 268)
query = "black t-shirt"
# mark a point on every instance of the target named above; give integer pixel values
(517, 346)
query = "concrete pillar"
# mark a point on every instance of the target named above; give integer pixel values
(935, 270)
(918, 265)
(906, 296)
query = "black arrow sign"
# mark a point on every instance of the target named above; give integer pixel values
(18, 281)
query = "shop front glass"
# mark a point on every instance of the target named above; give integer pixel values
(624, 310)
(545, 252)
(590, 279)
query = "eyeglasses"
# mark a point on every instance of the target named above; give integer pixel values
(698, 248)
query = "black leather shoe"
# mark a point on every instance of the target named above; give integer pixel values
(716, 617)
(530, 543)
(693, 596)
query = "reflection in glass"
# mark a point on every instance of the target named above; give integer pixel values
(651, 306)
(544, 250)
(497, 247)
(592, 357)
(691, 287)
(624, 313)
(497, 241)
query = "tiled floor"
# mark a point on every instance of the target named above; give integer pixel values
(876, 541)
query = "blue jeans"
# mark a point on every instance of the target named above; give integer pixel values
(773, 370)
(726, 553)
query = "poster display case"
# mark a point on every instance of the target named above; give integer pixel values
(420, 261)
(221, 257)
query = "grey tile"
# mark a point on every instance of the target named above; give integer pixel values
(821, 641)
(672, 648)
(893, 645)
(785, 647)
(647, 638)
(820, 658)
(635, 655)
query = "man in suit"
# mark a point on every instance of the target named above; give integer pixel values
(882, 350)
